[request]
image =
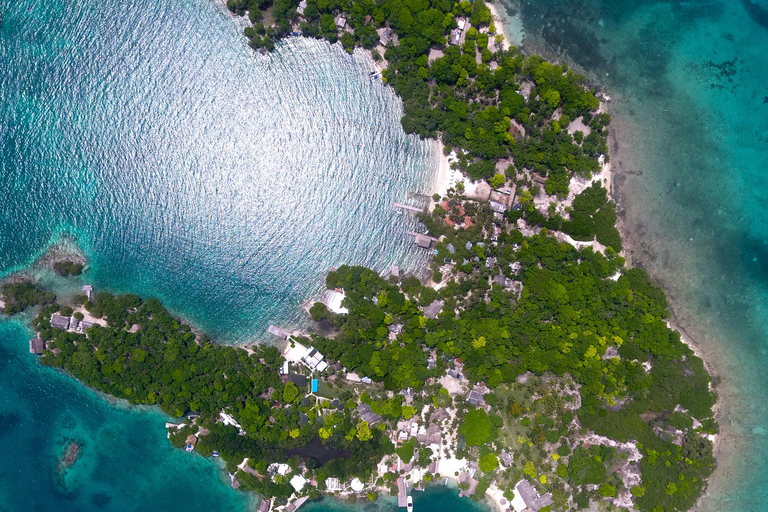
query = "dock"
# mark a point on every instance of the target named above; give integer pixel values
(402, 493)
(407, 207)
(278, 331)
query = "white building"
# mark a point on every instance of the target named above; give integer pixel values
(333, 485)
(314, 360)
(357, 485)
(298, 482)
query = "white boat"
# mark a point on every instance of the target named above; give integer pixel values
(409, 504)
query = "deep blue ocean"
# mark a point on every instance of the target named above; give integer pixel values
(186, 166)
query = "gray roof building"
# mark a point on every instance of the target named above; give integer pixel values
(36, 346)
(532, 500)
(299, 380)
(386, 36)
(498, 207)
(455, 36)
(433, 309)
(423, 241)
(476, 398)
(366, 414)
(59, 322)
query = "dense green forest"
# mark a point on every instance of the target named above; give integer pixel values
(68, 268)
(567, 342)
(575, 314)
(164, 363)
(470, 96)
(19, 296)
(572, 323)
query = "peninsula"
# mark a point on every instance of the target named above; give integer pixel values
(532, 367)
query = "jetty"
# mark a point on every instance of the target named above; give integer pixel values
(402, 493)
(279, 332)
(407, 207)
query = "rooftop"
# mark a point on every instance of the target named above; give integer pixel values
(299, 380)
(36, 346)
(298, 482)
(476, 398)
(59, 322)
(433, 309)
(423, 241)
(533, 501)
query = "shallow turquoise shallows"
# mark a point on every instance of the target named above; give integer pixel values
(689, 91)
(187, 167)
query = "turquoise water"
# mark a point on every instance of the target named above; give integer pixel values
(188, 167)
(125, 463)
(436, 498)
(690, 101)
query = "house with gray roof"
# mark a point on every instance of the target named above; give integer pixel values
(476, 398)
(498, 207)
(531, 499)
(433, 309)
(366, 414)
(36, 346)
(386, 36)
(299, 380)
(59, 322)
(423, 241)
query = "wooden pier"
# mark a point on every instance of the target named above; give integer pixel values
(402, 494)
(407, 207)
(279, 332)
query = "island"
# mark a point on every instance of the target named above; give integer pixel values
(542, 375)
(531, 366)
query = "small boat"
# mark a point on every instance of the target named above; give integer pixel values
(215, 454)
(409, 504)
(518, 16)
(190, 447)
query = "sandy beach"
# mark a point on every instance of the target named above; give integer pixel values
(446, 177)
(500, 23)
